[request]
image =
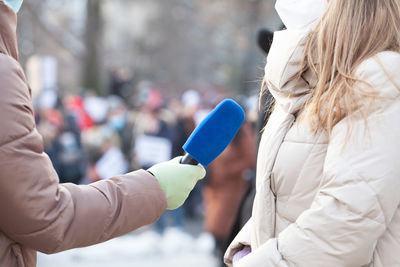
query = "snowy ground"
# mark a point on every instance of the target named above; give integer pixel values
(140, 249)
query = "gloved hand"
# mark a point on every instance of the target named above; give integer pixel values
(177, 180)
(239, 255)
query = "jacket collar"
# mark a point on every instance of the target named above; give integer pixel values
(283, 64)
(8, 31)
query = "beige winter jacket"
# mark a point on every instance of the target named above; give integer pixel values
(320, 202)
(36, 212)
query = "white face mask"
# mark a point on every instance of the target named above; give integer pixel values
(299, 13)
(14, 4)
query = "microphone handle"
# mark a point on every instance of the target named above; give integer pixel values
(187, 159)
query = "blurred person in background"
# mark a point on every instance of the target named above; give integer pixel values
(117, 119)
(121, 81)
(108, 141)
(187, 109)
(110, 160)
(57, 122)
(152, 130)
(226, 185)
(75, 105)
(157, 137)
(40, 214)
(62, 142)
(328, 165)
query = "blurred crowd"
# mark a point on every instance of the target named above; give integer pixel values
(90, 137)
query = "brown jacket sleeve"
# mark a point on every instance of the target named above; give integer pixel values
(40, 213)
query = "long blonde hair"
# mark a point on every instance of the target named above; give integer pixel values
(350, 32)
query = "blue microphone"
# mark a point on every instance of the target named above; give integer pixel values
(214, 133)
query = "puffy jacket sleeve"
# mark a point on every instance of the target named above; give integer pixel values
(359, 190)
(40, 213)
(241, 241)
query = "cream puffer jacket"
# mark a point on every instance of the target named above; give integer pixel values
(326, 201)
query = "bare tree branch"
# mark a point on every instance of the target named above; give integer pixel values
(68, 41)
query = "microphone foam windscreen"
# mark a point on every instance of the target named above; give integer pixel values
(215, 132)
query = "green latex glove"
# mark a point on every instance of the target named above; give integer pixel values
(177, 180)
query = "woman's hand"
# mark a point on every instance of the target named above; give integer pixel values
(239, 255)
